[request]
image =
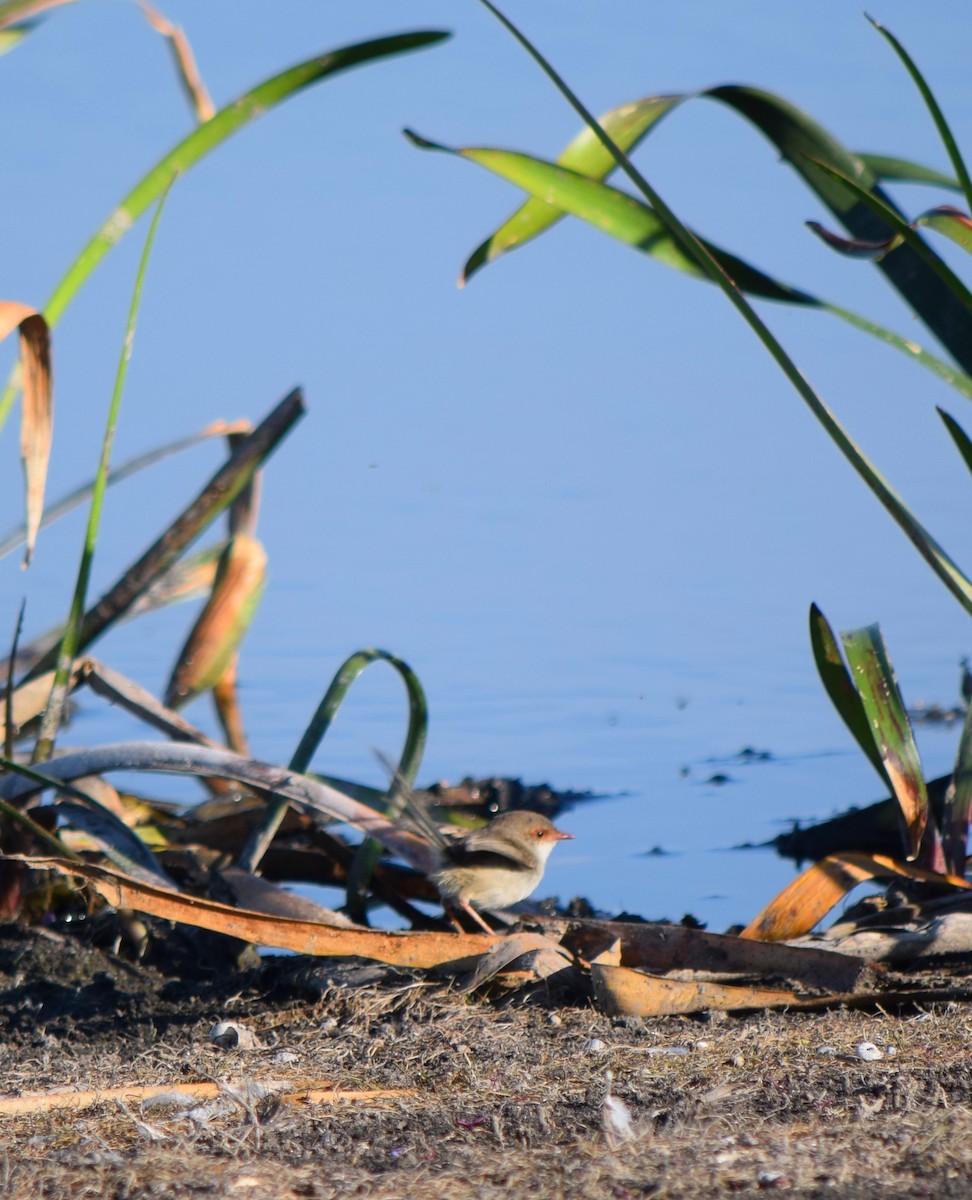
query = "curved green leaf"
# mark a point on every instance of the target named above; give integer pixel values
(627, 125)
(839, 686)
(202, 141)
(626, 218)
(804, 145)
(409, 761)
(890, 728)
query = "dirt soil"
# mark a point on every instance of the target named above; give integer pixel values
(497, 1098)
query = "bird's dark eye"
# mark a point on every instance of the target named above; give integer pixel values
(539, 833)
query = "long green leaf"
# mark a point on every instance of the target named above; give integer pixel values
(70, 640)
(888, 169)
(840, 688)
(944, 132)
(626, 218)
(890, 729)
(202, 141)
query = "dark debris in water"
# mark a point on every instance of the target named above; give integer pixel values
(486, 797)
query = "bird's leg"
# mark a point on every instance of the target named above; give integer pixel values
(467, 908)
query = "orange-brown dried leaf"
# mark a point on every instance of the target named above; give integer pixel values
(226, 697)
(185, 62)
(213, 641)
(621, 991)
(451, 951)
(808, 899)
(317, 1092)
(37, 419)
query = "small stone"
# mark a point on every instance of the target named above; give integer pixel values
(868, 1051)
(737, 1060)
(595, 1046)
(554, 1019)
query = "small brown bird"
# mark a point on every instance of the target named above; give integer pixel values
(495, 866)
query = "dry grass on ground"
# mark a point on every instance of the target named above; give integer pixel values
(507, 1098)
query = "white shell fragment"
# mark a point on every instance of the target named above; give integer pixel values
(231, 1035)
(868, 1051)
(595, 1046)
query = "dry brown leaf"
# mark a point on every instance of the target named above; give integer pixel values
(653, 946)
(210, 648)
(185, 62)
(546, 956)
(621, 991)
(808, 899)
(316, 1092)
(37, 417)
(450, 951)
(227, 700)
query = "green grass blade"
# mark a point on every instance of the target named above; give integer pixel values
(70, 640)
(201, 142)
(890, 728)
(627, 125)
(944, 132)
(839, 686)
(945, 371)
(901, 170)
(944, 567)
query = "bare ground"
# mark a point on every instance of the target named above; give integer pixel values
(505, 1097)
